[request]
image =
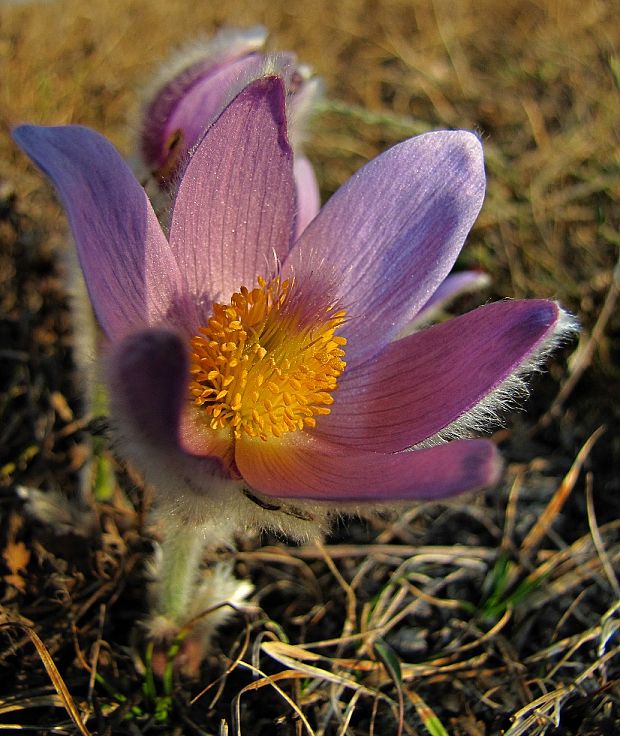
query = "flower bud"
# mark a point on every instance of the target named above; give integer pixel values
(194, 87)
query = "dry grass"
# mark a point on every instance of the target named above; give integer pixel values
(495, 615)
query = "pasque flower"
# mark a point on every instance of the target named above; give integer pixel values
(258, 378)
(194, 86)
(255, 379)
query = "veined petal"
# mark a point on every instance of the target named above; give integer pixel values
(305, 466)
(308, 195)
(130, 271)
(148, 374)
(234, 212)
(390, 235)
(423, 383)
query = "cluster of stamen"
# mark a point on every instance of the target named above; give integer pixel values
(259, 369)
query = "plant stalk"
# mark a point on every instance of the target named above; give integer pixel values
(180, 565)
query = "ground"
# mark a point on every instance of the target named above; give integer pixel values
(493, 615)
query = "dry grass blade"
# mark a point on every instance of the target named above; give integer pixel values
(565, 581)
(571, 642)
(231, 667)
(460, 554)
(484, 637)
(272, 682)
(428, 717)
(54, 674)
(584, 354)
(350, 622)
(348, 713)
(36, 701)
(296, 657)
(546, 709)
(596, 538)
(14, 727)
(393, 666)
(538, 531)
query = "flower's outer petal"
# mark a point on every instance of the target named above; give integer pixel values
(301, 465)
(452, 287)
(234, 212)
(148, 375)
(421, 384)
(308, 195)
(390, 235)
(130, 271)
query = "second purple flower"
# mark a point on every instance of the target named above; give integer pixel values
(195, 85)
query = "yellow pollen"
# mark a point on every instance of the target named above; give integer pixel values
(261, 370)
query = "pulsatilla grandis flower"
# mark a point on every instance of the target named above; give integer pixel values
(258, 379)
(196, 83)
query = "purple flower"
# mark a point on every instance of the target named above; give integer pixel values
(453, 286)
(244, 364)
(193, 88)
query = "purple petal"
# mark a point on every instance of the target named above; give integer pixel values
(130, 271)
(453, 286)
(308, 196)
(166, 143)
(391, 234)
(203, 79)
(234, 212)
(421, 384)
(148, 377)
(200, 106)
(307, 467)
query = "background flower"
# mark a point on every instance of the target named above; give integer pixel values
(193, 87)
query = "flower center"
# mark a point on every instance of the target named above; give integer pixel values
(261, 367)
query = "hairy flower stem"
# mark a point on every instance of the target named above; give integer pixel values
(178, 572)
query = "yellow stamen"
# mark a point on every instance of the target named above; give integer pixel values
(259, 368)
